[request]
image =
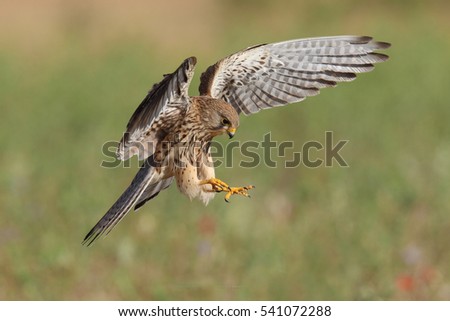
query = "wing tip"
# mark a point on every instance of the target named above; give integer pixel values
(368, 39)
(379, 57)
(191, 62)
(361, 39)
(382, 45)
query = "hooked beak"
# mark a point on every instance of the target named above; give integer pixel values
(231, 131)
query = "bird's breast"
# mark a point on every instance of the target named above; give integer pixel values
(190, 174)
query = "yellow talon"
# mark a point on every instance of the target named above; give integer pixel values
(219, 186)
(239, 191)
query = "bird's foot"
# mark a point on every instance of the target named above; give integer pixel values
(220, 186)
(238, 191)
(216, 184)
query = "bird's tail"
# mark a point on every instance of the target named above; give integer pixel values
(122, 206)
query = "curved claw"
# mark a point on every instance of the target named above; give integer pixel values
(238, 191)
(218, 186)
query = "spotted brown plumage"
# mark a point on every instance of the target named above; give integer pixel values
(172, 131)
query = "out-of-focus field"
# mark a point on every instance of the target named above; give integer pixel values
(71, 74)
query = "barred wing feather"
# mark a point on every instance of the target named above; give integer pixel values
(163, 104)
(277, 74)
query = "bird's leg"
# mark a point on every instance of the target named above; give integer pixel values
(219, 186)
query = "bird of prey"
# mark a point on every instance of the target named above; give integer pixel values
(172, 131)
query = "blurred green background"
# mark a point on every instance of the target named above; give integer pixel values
(72, 73)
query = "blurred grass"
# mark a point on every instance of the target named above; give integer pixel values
(72, 73)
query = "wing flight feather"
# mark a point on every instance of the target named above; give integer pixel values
(277, 74)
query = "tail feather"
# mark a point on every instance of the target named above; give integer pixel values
(152, 191)
(146, 175)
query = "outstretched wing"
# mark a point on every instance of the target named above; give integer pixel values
(276, 74)
(157, 113)
(147, 175)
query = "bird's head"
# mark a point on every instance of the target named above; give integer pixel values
(219, 117)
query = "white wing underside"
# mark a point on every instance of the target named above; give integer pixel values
(277, 74)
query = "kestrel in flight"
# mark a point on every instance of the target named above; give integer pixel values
(172, 131)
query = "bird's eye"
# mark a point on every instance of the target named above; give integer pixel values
(225, 122)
